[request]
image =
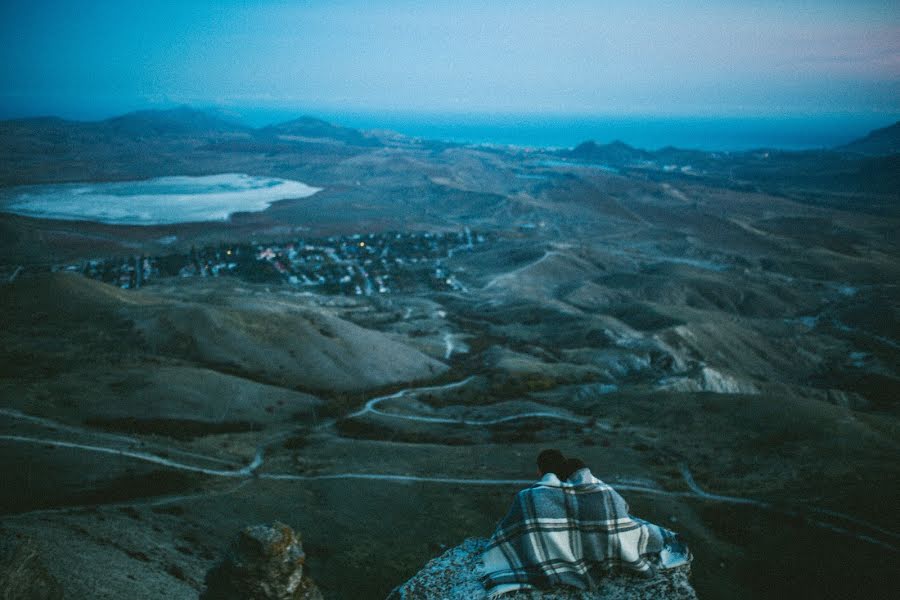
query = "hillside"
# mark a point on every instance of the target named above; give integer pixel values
(879, 142)
(180, 121)
(168, 340)
(377, 365)
(312, 129)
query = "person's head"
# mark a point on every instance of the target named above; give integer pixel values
(570, 467)
(551, 461)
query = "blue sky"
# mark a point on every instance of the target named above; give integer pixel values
(650, 57)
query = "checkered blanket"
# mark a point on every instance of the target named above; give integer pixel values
(570, 534)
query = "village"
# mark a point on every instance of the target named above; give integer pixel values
(358, 264)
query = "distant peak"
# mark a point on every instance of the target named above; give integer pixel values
(180, 119)
(617, 152)
(588, 145)
(308, 120)
(311, 127)
(878, 142)
(593, 145)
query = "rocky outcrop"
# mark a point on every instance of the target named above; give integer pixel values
(709, 380)
(264, 563)
(22, 571)
(454, 576)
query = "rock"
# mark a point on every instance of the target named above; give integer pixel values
(23, 574)
(264, 563)
(454, 576)
(708, 380)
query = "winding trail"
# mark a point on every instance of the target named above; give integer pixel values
(696, 489)
(132, 441)
(768, 506)
(371, 404)
(371, 408)
(513, 274)
(245, 471)
(444, 480)
(251, 471)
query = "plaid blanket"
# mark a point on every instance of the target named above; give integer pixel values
(569, 534)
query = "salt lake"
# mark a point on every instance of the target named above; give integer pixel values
(159, 201)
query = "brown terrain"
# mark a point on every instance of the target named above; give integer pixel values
(720, 343)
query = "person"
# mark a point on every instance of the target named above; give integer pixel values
(570, 529)
(570, 467)
(551, 461)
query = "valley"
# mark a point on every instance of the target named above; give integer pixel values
(721, 349)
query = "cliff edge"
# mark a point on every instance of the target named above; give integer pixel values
(454, 576)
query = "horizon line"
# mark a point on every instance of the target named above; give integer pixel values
(239, 117)
(8, 113)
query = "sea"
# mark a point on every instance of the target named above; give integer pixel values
(803, 132)
(651, 132)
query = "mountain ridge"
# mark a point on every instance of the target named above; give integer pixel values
(882, 141)
(188, 119)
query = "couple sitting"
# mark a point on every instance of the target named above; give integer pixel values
(570, 528)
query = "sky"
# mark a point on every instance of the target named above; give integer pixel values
(642, 57)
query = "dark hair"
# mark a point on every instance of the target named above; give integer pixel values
(570, 466)
(551, 461)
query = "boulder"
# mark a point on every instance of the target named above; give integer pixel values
(264, 563)
(454, 576)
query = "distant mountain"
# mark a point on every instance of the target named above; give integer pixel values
(616, 152)
(879, 142)
(312, 129)
(177, 121)
(183, 139)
